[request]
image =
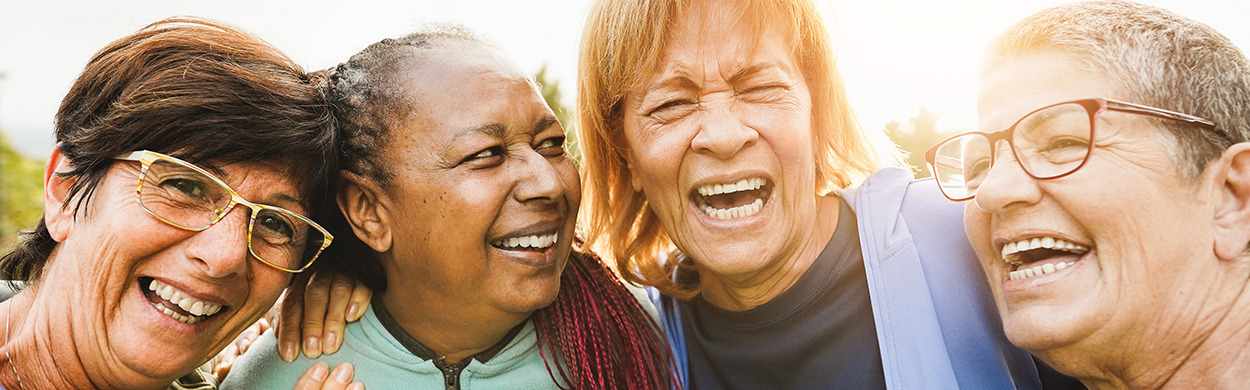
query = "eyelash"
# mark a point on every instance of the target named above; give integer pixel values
(557, 144)
(491, 152)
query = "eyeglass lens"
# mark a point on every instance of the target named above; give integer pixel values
(1049, 142)
(187, 198)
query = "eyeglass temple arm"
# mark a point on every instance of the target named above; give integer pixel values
(1159, 113)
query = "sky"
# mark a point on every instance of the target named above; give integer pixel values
(896, 55)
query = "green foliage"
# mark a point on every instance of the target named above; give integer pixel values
(21, 190)
(915, 137)
(551, 93)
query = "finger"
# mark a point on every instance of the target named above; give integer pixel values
(314, 378)
(292, 312)
(340, 297)
(316, 297)
(361, 295)
(222, 368)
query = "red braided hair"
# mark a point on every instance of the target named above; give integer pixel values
(605, 338)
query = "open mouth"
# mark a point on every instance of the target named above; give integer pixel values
(733, 200)
(535, 243)
(177, 304)
(1040, 256)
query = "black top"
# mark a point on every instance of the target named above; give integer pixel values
(819, 334)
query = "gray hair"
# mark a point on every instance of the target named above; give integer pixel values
(369, 103)
(1153, 57)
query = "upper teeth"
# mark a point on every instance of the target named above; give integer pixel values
(538, 242)
(196, 307)
(741, 185)
(1011, 249)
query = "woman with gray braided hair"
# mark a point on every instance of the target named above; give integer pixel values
(463, 203)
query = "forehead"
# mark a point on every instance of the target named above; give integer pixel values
(727, 34)
(1022, 84)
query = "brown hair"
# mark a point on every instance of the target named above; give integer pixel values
(621, 48)
(196, 89)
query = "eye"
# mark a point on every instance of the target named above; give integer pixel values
(763, 90)
(673, 109)
(486, 157)
(551, 147)
(274, 228)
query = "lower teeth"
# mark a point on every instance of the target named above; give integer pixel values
(177, 316)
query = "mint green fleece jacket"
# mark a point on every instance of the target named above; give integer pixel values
(381, 362)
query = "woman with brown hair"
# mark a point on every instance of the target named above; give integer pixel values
(188, 156)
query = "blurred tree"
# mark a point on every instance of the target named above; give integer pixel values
(916, 136)
(551, 93)
(21, 191)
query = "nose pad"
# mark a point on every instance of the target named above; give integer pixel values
(221, 250)
(721, 132)
(1006, 184)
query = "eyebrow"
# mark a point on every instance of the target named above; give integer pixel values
(544, 123)
(495, 130)
(754, 70)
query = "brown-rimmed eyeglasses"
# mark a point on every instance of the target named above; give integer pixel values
(1050, 142)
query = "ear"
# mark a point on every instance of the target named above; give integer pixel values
(359, 200)
(1232, 214)
(629, 168)
(58, 214)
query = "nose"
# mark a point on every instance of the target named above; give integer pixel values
(221, 250)
(721, 132)
(536, 179)
(1006, 184)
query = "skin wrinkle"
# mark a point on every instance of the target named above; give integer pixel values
(1169, 280)
(733, 129)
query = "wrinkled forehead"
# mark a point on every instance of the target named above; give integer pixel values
(736, 29)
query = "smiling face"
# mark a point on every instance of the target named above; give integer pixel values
(483, 202)
(1113, 270)
(146, 301)
(721, 143)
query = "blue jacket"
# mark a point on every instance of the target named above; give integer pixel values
(937, 325)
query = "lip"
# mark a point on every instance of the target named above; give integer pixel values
(166, 321)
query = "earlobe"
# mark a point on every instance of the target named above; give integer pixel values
(633, 178)
(359, 200)
(58, 214)
(1232, 214)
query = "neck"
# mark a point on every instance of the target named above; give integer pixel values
(1208, 348)
(453, 330)
(748, 291)
(41, 360)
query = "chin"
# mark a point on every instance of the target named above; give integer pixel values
(1038, 330)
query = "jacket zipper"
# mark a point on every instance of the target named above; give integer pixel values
(451, 374)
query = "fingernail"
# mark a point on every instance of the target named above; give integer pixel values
(312, 347)
(319, 371)
(331, 346)
(352, 311)
(343, 373)
(289, 351)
